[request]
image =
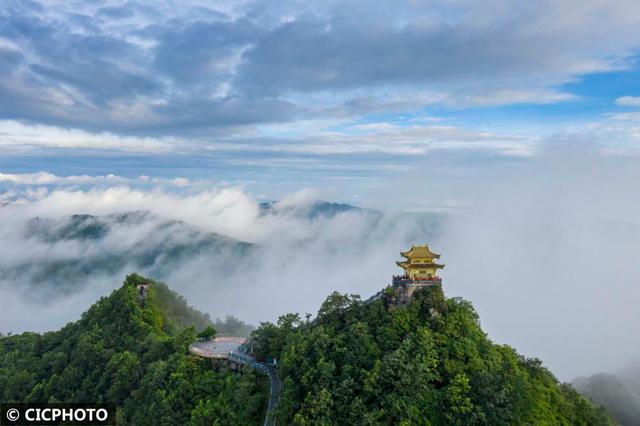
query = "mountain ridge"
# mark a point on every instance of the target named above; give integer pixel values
(135, 355)
(619, 393)
(152, 245)
(427, 362)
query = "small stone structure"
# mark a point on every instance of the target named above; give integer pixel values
(142, 290)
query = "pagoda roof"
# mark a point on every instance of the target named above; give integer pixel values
(407, 265)
(418, 251)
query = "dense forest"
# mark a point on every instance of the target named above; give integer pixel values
(363, 363)
(135, 356)
(426, 363)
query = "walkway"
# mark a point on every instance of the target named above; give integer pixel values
(231, 348)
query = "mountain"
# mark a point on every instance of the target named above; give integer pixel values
(619, 393)
(428, 223)
(312, 210)
(358, 362)
(72, 260)
(133, 353)
(66, 252)
(58, 255)
(427, 362)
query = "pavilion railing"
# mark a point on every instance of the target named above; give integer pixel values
(404, 280)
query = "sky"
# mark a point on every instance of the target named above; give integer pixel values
(519, 119)
(336, 95)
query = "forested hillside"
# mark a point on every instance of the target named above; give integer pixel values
(619, 393)
(425, 363)
(135, 356)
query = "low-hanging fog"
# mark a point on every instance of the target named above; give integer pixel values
(298, 256)
(547, 254)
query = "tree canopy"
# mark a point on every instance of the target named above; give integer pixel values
(136, 357)
(363, 363)
(426, 363)
(208, 333)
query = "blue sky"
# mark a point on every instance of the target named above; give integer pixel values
(347, 97)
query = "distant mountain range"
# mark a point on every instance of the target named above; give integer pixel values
(64, 252)
(619, 393)
(108, 244)
(312, 210)
(54, 266)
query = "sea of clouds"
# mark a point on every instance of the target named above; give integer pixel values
(297, 260)
(549, 257)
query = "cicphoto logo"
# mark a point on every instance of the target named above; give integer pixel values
(54, 414)
(13, 414)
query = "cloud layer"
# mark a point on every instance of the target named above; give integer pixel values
(174, 67)
(292, 94)
(294, 244)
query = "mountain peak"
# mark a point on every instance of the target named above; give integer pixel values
(371, 362)
(142, 305)
(131, 352)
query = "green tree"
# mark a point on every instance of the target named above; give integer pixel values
(428, 362)
(209, 333)
(135, 356)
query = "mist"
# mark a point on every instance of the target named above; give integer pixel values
(547, 254)
(296, 258)
(549, 259)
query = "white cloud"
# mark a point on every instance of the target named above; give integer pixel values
(633, 101)
(46, 178)
(513, 96)
(228, 211)
(16, 135)
(408, 139)
(203, 66)
(417, 137)
(617, 133)
(524, 254)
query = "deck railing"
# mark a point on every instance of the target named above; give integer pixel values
(404, 280)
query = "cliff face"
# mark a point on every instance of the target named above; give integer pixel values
(403, 294)
(423, 361)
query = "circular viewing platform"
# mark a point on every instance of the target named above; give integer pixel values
(219, 347)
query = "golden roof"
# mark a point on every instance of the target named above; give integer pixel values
(407, 265)
(419, 251)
